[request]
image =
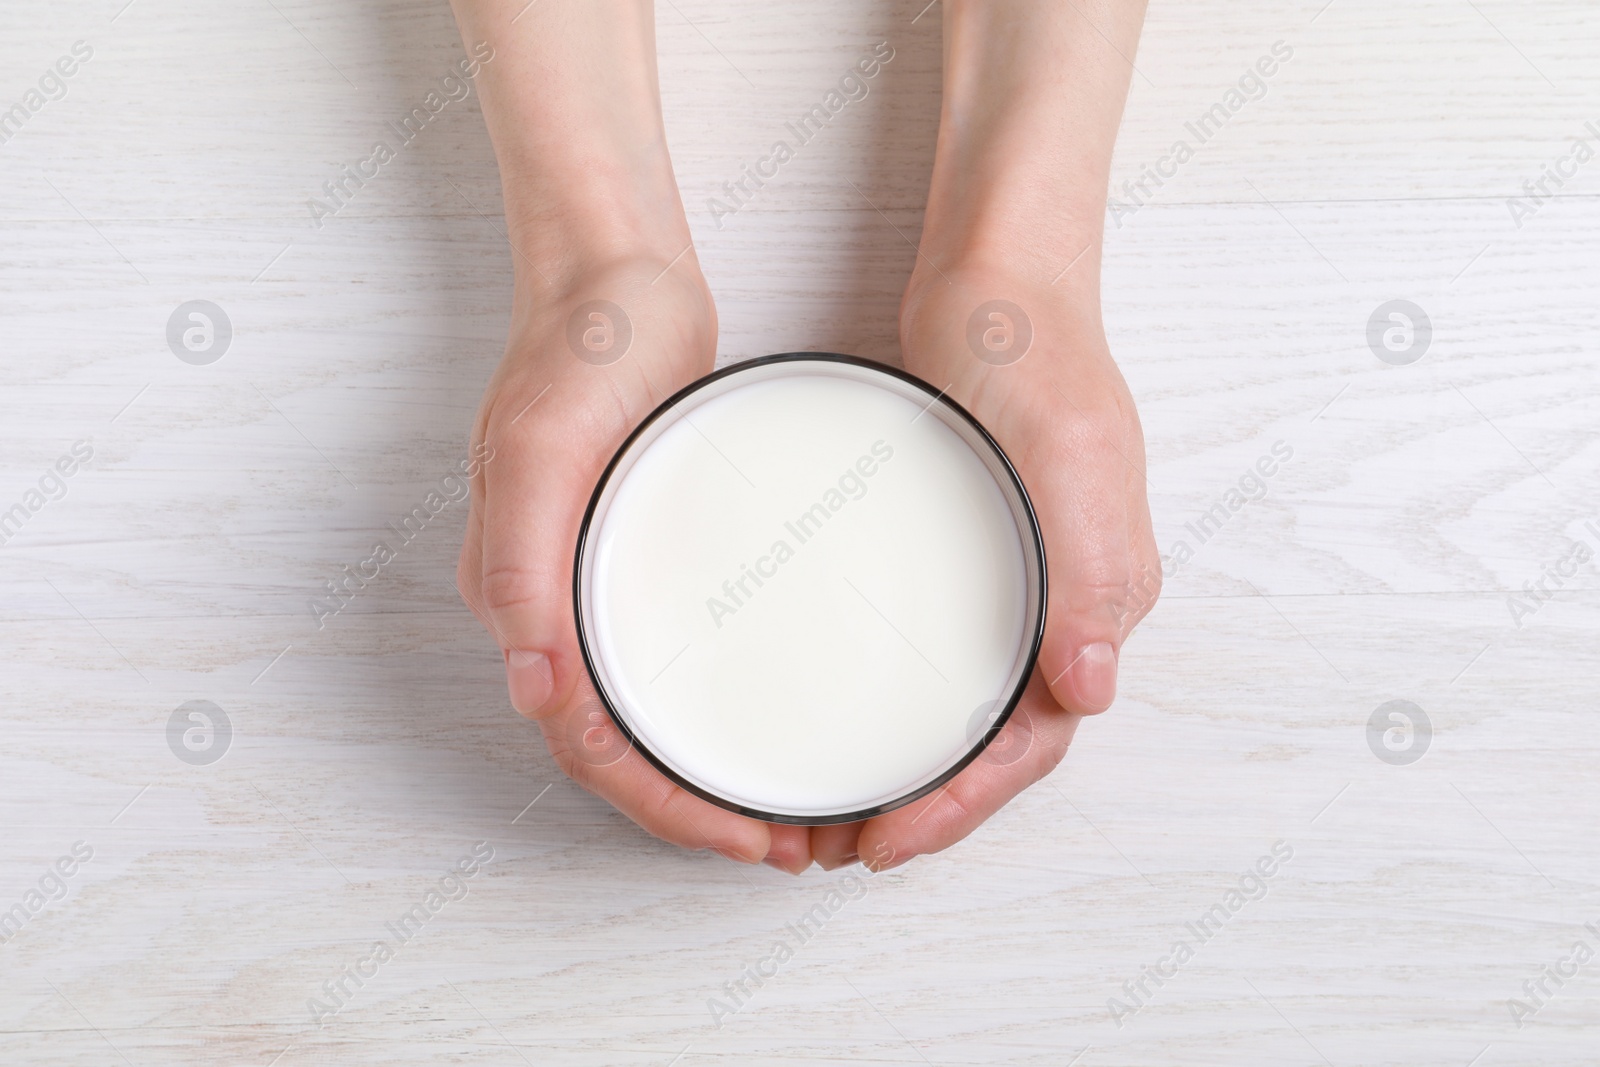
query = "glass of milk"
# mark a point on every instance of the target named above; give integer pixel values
(809, 588)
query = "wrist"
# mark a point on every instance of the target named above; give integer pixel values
(998, 263)
(946, 316)
(1010, 196)
(569, 219)
(572, 106)
(990, 237)
(1032, 100)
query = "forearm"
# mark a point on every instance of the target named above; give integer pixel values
(1033, 97)
(573, 108)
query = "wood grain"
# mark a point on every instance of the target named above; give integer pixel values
(370, 755)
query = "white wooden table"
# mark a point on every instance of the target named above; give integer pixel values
(367, 758)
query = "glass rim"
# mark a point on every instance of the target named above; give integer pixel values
(959, 420)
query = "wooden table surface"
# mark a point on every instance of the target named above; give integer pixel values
(1390, 559)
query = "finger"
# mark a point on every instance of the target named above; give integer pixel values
(790, 849)
(835, 846)
(590, 750)
(556, 418)
(586, 744)
(534, 495)
(1031, 744)
(1083, 507)
(529, 678)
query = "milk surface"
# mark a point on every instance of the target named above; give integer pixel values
(804, 590)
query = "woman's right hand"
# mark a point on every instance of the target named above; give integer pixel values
(582, 368)
(611, 315)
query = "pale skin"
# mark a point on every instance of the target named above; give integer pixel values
(1033, 96)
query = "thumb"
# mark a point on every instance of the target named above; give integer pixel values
(535, 493)
(1095, 524)
(559, 409)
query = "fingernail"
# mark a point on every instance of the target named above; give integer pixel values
(1094, 676)
(730, 854)
(530, 680)
(890, 864)
(843, 861)
(773, 862)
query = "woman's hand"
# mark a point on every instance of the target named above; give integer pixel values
(611, 316)
(1062, 413)
(1003, 312)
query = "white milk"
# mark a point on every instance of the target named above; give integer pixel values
(803, 594)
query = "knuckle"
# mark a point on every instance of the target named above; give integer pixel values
(568, 763)
(959, 802)
(1046, 758)
(1149, 599)
(1129, 600)
(664, 817)
(1093, 431)
(1099, 593)
(663, 807)
(513, 586)
(1143, 591)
